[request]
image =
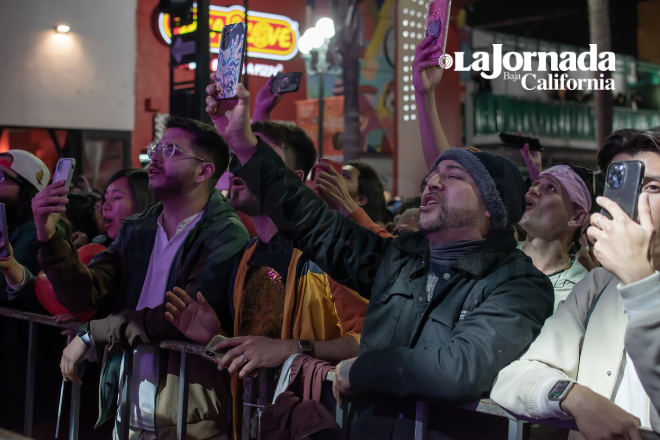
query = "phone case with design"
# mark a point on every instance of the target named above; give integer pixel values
(437, 24)
(230, 60)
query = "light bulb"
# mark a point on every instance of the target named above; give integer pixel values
(326, 27)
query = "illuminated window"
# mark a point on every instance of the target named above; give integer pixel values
(412, 58)
(406, 117)
(412, 24)
(405, 33)
(419, 14)
(405, 97)
(406, 88)
(405, 10)
(413, 116)
(405, 22)
(413, 107)
(412, 97)
(406, 79)
(419, 36)
(405, 68)
(406, 59)
(405, 46)
(406, 108)
(419, 25)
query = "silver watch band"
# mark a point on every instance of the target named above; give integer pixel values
(87, 340)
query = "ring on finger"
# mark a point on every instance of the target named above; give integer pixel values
(598, 222)
(243, 359)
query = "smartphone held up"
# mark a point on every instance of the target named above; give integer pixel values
(623, 185)
(64, 172)
(437, 24)
(230, 60)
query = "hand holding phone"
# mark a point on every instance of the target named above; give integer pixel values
(210, 354)
(313, 176)
(47, 206)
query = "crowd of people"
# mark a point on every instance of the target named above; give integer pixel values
(487, 285)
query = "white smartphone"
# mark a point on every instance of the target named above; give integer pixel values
(64, 171)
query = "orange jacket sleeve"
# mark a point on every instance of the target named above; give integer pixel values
(361, 218)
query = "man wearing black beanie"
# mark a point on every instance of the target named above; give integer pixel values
(450, 305)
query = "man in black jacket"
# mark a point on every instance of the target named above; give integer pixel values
(449, 306)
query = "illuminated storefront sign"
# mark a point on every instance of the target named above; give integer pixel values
(270, 36)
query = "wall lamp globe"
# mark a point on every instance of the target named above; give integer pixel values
(62, 29)
(304, 45)
(326, 27)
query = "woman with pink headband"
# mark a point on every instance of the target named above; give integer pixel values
(558, 204)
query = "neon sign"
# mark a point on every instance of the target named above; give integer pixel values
(270, 36)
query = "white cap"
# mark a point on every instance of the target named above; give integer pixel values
(29, 167)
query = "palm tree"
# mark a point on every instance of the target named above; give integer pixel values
(350, 43)
(599, 26)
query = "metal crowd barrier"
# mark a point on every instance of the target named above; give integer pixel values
(259, 388)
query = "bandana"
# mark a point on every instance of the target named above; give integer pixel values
(573, 184)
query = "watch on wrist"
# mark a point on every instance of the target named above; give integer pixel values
(307, 347)
(558, 393)
(83, 333)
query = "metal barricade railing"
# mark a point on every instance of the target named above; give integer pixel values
(34, 319)
(259, 389)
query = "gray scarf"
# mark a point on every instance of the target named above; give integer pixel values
(445, 255)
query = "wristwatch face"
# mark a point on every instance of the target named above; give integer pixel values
(306, 346)
(558, 390)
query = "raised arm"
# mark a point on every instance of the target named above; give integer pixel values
(346, 251)
(265, 102)
(426, 77)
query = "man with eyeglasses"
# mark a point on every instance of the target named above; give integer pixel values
(187, 240)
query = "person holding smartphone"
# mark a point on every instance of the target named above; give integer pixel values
(188, 240)
(448, 306)
(596, 359)
(22, 176)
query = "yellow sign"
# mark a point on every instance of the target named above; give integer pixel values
(270, 36)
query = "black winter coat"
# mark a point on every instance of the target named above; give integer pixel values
(486, 309)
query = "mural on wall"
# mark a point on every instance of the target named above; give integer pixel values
(377, 77)
(376, 88)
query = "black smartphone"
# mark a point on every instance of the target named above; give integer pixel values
(513, 140)
(623, 185)
(4, 251)
(286, 82)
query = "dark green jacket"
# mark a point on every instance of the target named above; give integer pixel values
(485, 311)
(113, 282)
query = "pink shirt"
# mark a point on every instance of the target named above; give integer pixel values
(145, 357)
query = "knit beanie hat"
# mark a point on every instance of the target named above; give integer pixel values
(499, 181)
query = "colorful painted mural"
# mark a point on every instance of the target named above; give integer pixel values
(376, 83)
(377, 77)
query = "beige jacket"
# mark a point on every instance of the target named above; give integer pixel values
(566, 350)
